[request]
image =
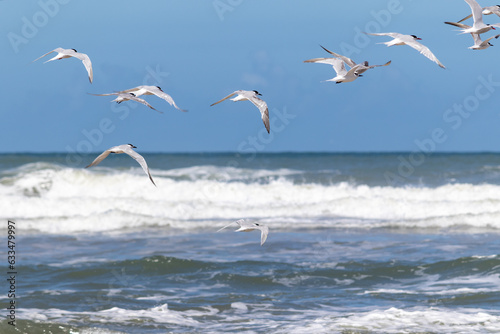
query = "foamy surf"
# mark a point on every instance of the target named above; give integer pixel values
(56, 199)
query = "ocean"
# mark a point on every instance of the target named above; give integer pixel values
(358, 243)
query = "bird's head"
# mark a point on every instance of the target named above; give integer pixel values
(132, 94)
(159, 88)
(490, 44)
(256, 92)
(132, 146)
(365, 63)
(74, 50)
(415, 37)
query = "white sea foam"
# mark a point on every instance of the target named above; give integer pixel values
(66, 200)
(394, 320)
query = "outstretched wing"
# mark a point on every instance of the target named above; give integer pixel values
(108, 94)
(465, 18)
(338, 64)
(264, 111)
(390, 34)
(227, 97)
(346, 60)
(264, 231)
(137, 99)
(100, 158)
(458, 24)
(161, 94)
(139, 158)
(86, 62)
(55, 50)
(237, 222)
(477, 11)
(425, 51)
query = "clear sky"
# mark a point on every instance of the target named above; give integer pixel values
(201, 50)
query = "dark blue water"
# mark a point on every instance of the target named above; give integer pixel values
(104, 251)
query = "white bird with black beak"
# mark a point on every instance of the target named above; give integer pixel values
(359, 68)
(410, 40)
(252, 96)
(120, 97)
(128, 149)
(146, 90)
(67, 53)
(479, 27)
(248, 227)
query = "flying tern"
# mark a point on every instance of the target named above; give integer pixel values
(248, 227)
(479, 27)
(67, 53)
(410, 40)
(360, 68)
(151, 90)
(128, 149)
(486, 11)
(252, 96)
(338, 65)
(120, 97)
(479, 44)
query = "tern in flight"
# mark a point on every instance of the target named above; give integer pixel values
(252, 96)
(360, 68)
(67, 53)
(338, 65)
(128, 149)
(120, 97)
(410, 40)
(479, 44)
(479, 27)
(486, 11)
(147, 90)
(248, 227)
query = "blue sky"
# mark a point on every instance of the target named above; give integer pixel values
(200, 51)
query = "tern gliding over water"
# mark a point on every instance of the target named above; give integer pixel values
(252, 96)
(248, 227)
(67, 53)
(128, 149)
(410, 40)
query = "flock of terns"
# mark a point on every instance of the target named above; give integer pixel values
(338, 62)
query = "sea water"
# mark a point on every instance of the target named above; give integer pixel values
(358, 243)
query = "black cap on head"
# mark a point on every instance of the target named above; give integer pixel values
(159, 88)
(74, 50)
(132, 146)
(256, 92)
